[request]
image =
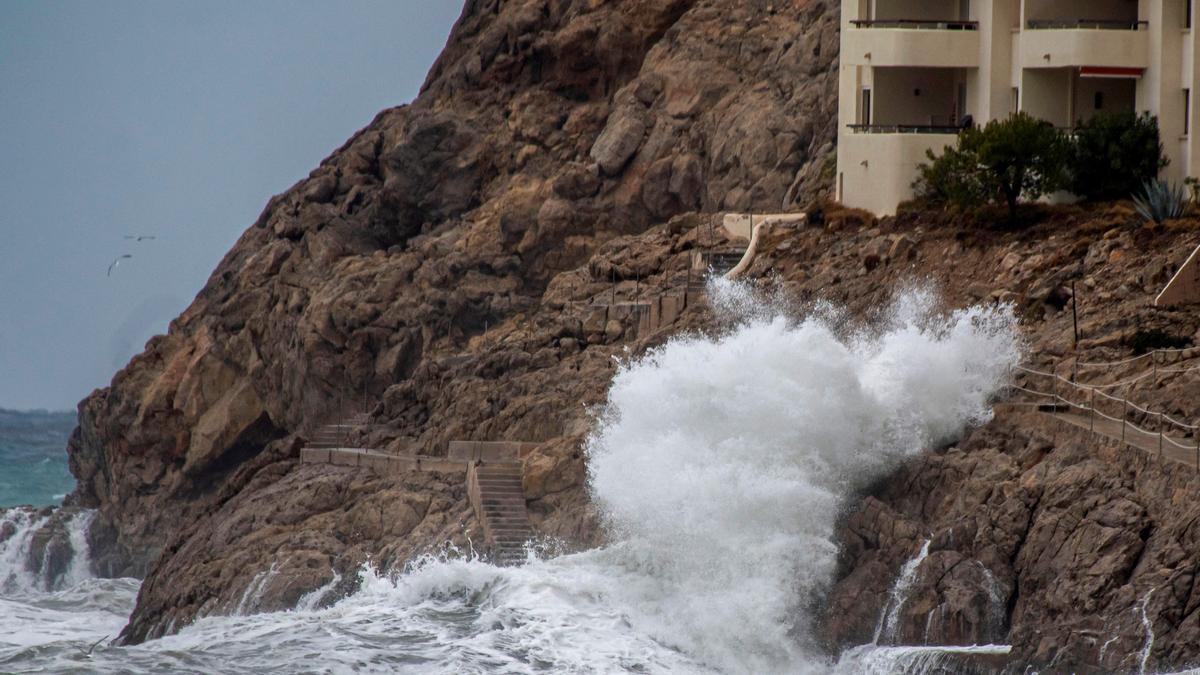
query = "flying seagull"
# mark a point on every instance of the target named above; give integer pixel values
(116, 262)
(140, 237)
(88, 652)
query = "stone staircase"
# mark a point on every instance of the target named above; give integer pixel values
(708, 264)
(721, 261)
(499, 501)
(337, 435)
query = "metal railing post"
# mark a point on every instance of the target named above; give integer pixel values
(1092, 415)
(1054, 387)
(1124, 416)
(1160, 436)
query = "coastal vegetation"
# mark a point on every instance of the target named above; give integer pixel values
(1108, 157)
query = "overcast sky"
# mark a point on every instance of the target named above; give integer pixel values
(172, 119)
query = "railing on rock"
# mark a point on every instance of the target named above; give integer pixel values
(1064, 392)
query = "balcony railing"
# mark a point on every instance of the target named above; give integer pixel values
(916, 24)
(904, 129)
(1095, 24)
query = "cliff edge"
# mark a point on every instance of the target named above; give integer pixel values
(421, 273)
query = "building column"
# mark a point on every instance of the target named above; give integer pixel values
(1160, 91)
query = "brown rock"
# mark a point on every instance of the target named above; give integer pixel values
(423, 271)
(619, 141)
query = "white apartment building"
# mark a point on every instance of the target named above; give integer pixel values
(911, 70)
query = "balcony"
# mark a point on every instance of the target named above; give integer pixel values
(1084, 43)
(1067, 96)
(1073, 33)
(916, 24)
(925, 43)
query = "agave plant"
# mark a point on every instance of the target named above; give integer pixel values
(1160, 201)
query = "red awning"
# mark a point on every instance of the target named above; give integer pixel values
(1104, 71)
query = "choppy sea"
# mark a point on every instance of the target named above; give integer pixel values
(33, 457)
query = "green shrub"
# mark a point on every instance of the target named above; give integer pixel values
(952, 179)
(1160, 201)
(1113, 154)
(1008, 160)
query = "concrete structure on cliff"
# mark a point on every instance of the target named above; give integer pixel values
(913, 70)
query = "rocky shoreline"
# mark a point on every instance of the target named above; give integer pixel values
(437, 268)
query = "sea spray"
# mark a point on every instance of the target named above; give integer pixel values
(80, 568)
(1148, 627)
(873, 660)
(997, 614)
(314, 598)
(721, 462)
(888, 628)
(43, 550)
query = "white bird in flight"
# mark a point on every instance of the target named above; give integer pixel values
(116, 262)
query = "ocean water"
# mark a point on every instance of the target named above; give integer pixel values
(719, 464)
(33, 457)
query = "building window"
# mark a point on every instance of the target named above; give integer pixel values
(1016, 100)
(1098, 101)
(1187, 111)
(866, 106)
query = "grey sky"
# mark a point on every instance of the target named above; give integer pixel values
(172, 119)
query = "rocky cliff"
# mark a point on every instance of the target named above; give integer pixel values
(1076, 549)
(422, 272)
(437, 270)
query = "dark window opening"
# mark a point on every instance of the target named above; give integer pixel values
(1187, 111)
(1098, 102)
(866, 106)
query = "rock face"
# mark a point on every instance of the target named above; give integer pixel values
(425, 271)
(1051, 538)
(1040, 535)
(457, 269)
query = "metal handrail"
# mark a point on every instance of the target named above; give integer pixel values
(1093, 411)
(917, 24)
(1097, 24)
(904, 129)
